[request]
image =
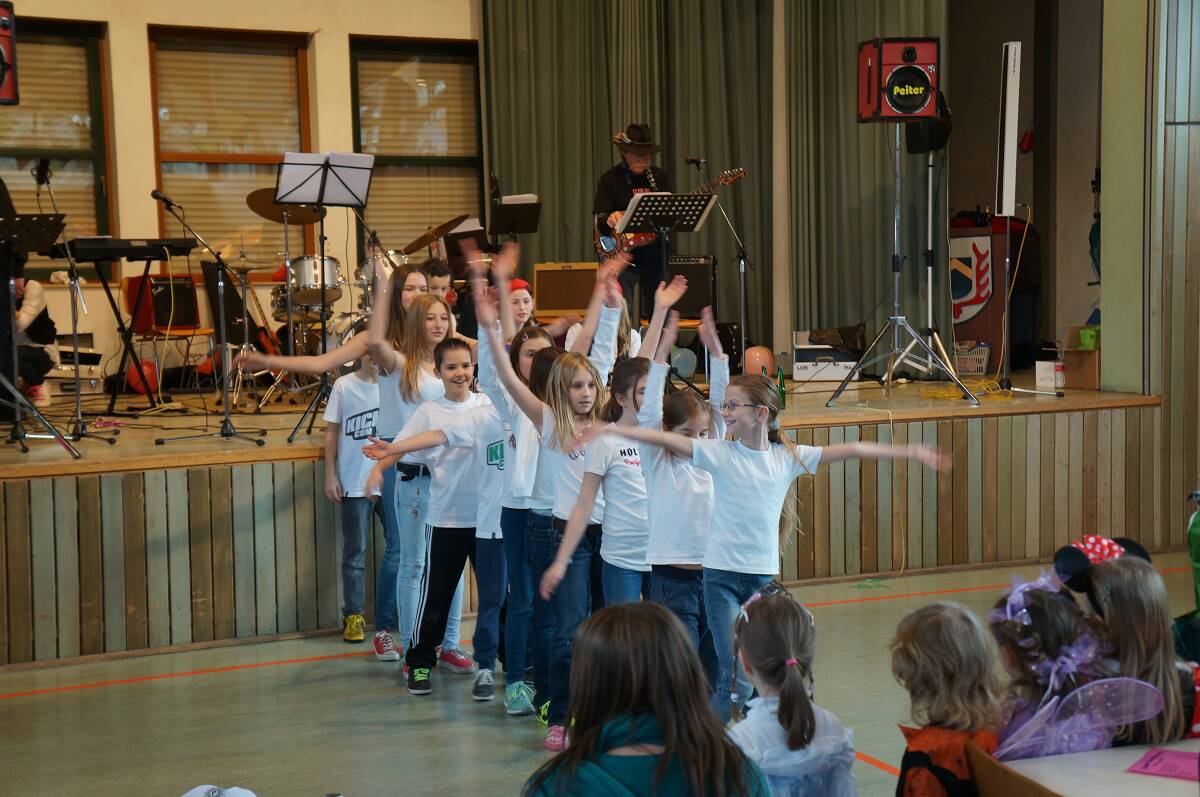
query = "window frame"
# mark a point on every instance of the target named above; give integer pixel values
(100, 154)
(392, 46)
(300, 41)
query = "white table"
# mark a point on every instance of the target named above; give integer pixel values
(1102, 773)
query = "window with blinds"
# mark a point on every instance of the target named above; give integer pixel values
(225, 112)
(417, 110)
(60, 117)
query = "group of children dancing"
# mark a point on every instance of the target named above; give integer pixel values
(632, 538)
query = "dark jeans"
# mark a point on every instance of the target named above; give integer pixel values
(573, 602)
(520, 592)
(491, 581)
(683, 593)
(539, 551)
(622, 585)
(356, 523)
(446, 554)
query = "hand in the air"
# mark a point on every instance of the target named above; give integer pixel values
(668, 295)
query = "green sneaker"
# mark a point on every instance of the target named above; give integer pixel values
(542, 715)
(418, 681)
(518, 699)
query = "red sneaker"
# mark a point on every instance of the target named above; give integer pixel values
(385, 647)
(38, 395)
(455, 661)
(556, 739)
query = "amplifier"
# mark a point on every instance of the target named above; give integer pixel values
(563, 288)
(158, 309)
(701, 274)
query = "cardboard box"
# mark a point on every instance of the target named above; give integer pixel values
(1082, 365)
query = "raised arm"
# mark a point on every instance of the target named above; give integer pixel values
(651, 413)
(610, 268)
(388, 360)
(488, 318)
(604, 347)
(664, 299)
(503, 267)
(352, 349)
(677, 444)
(577, 524)
(718, 371)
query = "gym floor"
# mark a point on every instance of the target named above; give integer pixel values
(317, 716)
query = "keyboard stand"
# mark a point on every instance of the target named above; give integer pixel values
(125, 331)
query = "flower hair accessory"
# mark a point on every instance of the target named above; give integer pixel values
(1084, 655)
(1016, 606)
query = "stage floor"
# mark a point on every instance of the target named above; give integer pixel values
(865, 403)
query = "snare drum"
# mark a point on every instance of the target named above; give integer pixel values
(300, 312)
(306, 279)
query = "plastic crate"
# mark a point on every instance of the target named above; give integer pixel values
(972, 360)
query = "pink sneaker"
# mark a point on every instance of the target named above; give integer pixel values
(556, 739)
(385, 647)
(455, 661)
(38, 395)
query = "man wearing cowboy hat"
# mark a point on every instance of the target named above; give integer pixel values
(633, 175)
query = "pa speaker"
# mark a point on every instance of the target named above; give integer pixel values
(1006, 134)
(898, 79)
(8, 55)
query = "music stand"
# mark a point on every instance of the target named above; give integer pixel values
(664, 214)
(31, 232)
(336, 179)
(514, 218)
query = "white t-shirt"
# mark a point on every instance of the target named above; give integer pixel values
(616, 460)
(394, 411)
(452, 486)
(679, 528)
(353, 403)
(481, 432)
(749, 488)
(520, 439)
(565, 472)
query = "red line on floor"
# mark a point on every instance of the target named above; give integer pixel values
(880, 765)
(188, 674)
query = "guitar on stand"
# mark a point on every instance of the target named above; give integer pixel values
(619, 242)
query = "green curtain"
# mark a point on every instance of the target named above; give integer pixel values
(563, 75)
(841, 183)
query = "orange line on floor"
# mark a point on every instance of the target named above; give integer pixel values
(880, 765)
(188, 674)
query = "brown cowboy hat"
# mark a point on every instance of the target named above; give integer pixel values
(636, 139)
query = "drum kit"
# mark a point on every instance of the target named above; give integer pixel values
(300, 305)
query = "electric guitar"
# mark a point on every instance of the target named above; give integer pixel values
(616, 243)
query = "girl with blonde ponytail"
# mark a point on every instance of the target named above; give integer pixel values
(754, 474)
(801, 747)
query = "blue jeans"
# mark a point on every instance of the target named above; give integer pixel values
(491, 580)
(539, 553)
(356, 521)
(622, 585)
(685, 599)
(520, 592)
(724, 594)
(389, 563)
(412, 503)
(572, 603)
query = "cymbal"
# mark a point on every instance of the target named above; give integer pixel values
(432, 234)
(263, 203)
(244, 266)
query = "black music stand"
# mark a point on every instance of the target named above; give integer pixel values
(515, 218)
(664, 214)
(31, 232)
(305, 178)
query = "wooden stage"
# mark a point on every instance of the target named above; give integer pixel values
(138, 546)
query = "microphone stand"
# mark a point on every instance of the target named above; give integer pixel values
(79, 429)
(744, 262)
(227, 430)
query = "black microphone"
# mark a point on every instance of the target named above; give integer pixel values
(695, 161)
(41, 172)
(161, 197)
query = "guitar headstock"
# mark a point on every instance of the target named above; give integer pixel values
(729, 176)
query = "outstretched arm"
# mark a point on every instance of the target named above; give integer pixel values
(577, 524)
(350, 350)
(675, 443)
(927, 455)
(664, 299)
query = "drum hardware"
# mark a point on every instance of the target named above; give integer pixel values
(242, 269)
(426, 239)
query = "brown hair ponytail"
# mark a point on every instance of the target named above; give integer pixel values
(778, 636)
(624, 378)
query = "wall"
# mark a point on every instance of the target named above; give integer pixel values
(132, 139)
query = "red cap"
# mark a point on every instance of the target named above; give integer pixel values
(519, 284)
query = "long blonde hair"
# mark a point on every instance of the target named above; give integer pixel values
(416, 347)
(558, 395)
(1133, 599)
(947, 661)
(762, 391)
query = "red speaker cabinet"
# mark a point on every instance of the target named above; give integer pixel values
(8, 55)
(898, 79)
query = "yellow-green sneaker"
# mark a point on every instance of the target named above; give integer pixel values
(352, 627)
(542, 715)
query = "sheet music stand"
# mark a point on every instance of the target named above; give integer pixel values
(31, 232)
(518, 218)
(664, 214)
(336, 179)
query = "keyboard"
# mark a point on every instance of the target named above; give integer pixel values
(98, 250)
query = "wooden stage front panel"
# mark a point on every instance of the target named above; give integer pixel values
(140, 546)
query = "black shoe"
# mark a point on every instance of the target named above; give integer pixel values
(418, 681)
